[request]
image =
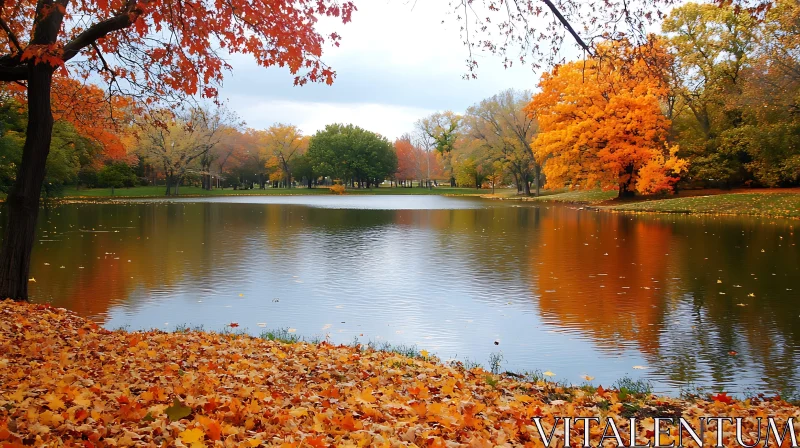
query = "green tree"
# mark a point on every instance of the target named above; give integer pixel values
(348, 152)
(69, 151)
(443, 129)
(116, 175)
(303, 168)
(713, 48)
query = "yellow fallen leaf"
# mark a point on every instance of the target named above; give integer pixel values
(32, 280)
(549, 373)
(193, 437)
(424, 353)
(366, 395)
(639, 367)
(54, 402)
(588, 378)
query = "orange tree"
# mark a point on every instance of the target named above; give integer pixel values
(155, 49)
(601, 124)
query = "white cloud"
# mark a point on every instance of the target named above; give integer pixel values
(397, 62)
(388, 120)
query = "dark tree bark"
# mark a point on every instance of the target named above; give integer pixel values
(23, 201)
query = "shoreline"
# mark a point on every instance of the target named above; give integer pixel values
(66, 380)
(777, 203)
(768, 203)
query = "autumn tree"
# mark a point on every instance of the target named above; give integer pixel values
(86, 132)
(155, 49)
(443, 129)
(505, 130)
(601, 123)
(407, 168)
(283, 144)
(179, 142)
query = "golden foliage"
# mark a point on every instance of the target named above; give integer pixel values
(601, 124)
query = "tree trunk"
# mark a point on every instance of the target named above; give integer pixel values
(168, 178)
(538, 178)
(23, 200)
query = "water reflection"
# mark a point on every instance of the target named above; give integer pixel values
(704, 301)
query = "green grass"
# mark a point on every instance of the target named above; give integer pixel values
(281, 335)
(576, 196)
(145, 192)
(761, 204)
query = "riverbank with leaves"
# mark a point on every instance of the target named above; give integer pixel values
(65, 381)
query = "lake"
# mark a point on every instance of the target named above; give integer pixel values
(684, 302)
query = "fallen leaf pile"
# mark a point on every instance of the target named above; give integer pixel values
(66, 382)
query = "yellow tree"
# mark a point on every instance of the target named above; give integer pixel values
(283, 143)
(601, 122)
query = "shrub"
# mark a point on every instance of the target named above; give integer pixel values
(337, 189)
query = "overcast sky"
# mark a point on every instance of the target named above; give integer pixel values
(395, 65)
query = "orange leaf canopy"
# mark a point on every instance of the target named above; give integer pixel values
(160, 47)
(601, 123)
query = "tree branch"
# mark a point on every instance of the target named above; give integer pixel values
(567, 25)
(10, 34)
(101, 29)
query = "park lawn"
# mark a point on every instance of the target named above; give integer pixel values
(66, 382)
(145, 192)
(760, 204)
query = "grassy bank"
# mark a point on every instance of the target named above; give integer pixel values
(64, 381)
(148, 192)
(758, 204)
(772, 203)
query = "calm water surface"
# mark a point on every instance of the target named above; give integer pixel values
(682, 301)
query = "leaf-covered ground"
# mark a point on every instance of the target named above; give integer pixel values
(66, 382)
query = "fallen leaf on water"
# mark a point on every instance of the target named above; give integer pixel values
(292, 330)
(587, 377)
(639, 367)
(233, 324)
(751, 295)
(32, 280)
(549, 373)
